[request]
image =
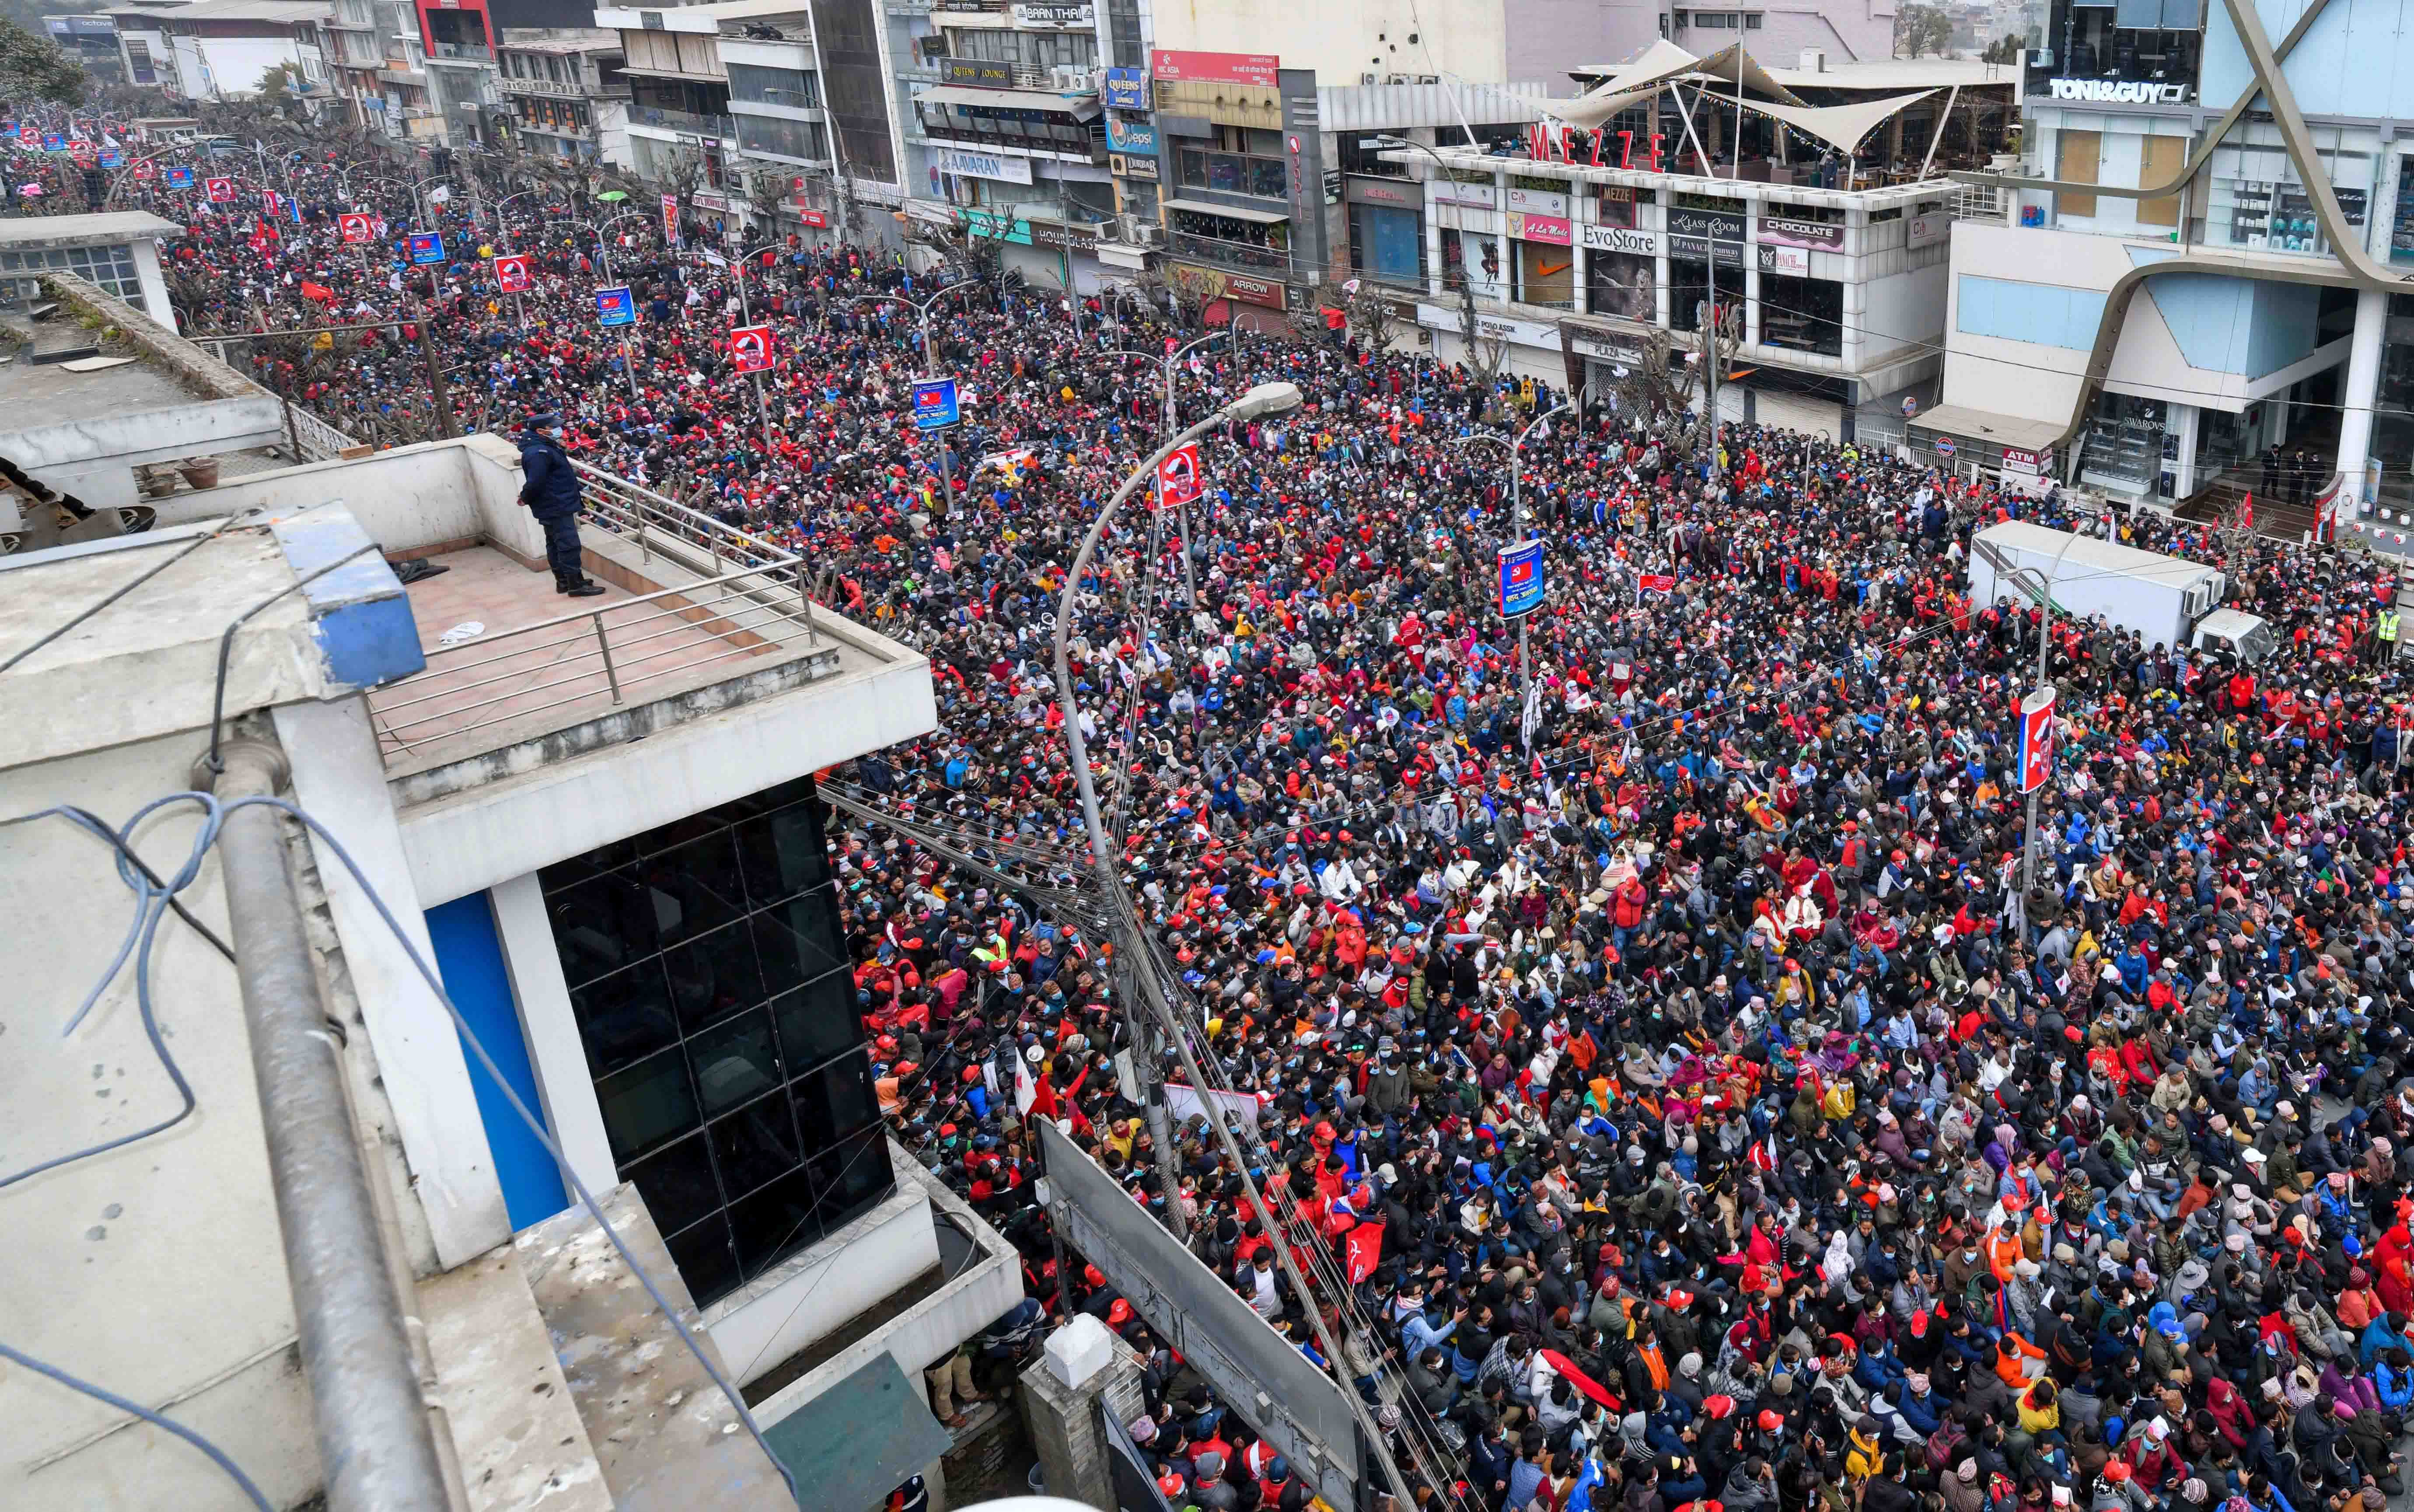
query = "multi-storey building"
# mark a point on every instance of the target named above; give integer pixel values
(2200, 264)
(1017, 134)
(1820, 230)
(568, 95)
(613, 856)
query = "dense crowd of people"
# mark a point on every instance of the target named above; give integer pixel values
(1679, 1096)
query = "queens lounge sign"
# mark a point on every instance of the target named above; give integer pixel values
(2118, 91)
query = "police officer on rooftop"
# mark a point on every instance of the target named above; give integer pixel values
(550, 490)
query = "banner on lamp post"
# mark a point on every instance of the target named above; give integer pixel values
(1523, 580)
(750, 349)
(356, 228)
(511, 273)
(2036, 739)
(1177, 477)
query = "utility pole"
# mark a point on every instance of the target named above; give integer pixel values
(436, 380)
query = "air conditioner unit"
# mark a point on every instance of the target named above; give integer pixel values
(1147, 234)
(1070, 77)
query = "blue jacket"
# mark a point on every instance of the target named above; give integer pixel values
(550, 489)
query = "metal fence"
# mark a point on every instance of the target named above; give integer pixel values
(1260, 1373)
(313, 437)
(606, 653)
(751, 594)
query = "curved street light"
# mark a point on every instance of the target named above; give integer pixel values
(1517, 532)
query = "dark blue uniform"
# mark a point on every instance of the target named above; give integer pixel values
(550, 490)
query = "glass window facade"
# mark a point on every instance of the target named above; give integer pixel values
(717, 1005)
(111, 267)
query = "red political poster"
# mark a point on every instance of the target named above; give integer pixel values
(750, 349)
(1177, 476)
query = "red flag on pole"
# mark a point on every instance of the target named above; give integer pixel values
(2246, 515)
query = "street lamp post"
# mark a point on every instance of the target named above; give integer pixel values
(1517, 533)
(921, 309)
(1181, 512)
(2044, 590)
(745, 314)
(603, 255)
(1264, 399)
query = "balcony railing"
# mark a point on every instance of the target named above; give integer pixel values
(1069, 137)
(1226, 254)
(463, 51)
(702, 124)
(750, 595)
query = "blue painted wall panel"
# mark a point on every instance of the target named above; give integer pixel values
(2353, 60)
(2041, 314)
(469, 958)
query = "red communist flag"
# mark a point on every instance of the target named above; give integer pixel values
(1363, 1246)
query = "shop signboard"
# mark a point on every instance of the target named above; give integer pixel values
(1712, 224)
(966, 163)
(1252, 68)
(1930, 227)
(1536, 201)
(1621, 239)
(1045, 18)
(1130, 135)
(1787, 231)
(1124, 89)
(1718, 254)
(1547, 229)
(1790, 261)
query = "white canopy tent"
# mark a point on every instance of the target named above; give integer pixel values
(1729, 77)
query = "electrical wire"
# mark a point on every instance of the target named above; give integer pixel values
(141, 935)
(217, 1456)
(529, 1119)
(132, 583)
(139, 944)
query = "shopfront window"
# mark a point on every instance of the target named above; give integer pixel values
(1547, 275)
(2153, 42)
(2392, 417)
(1387, 243)
(2125, 442)
(1802, 314)
(2258, 200)
(1621, 284)
(714, 997)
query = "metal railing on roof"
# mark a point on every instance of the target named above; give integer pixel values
(752, 597)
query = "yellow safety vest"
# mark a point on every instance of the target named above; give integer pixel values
(2387, 629)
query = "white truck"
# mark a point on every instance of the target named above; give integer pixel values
(2169, 601)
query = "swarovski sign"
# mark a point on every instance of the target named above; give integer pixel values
(2119, 92)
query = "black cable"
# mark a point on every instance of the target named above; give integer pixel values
(128, 587)
(225, 643)
(217, 1456)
